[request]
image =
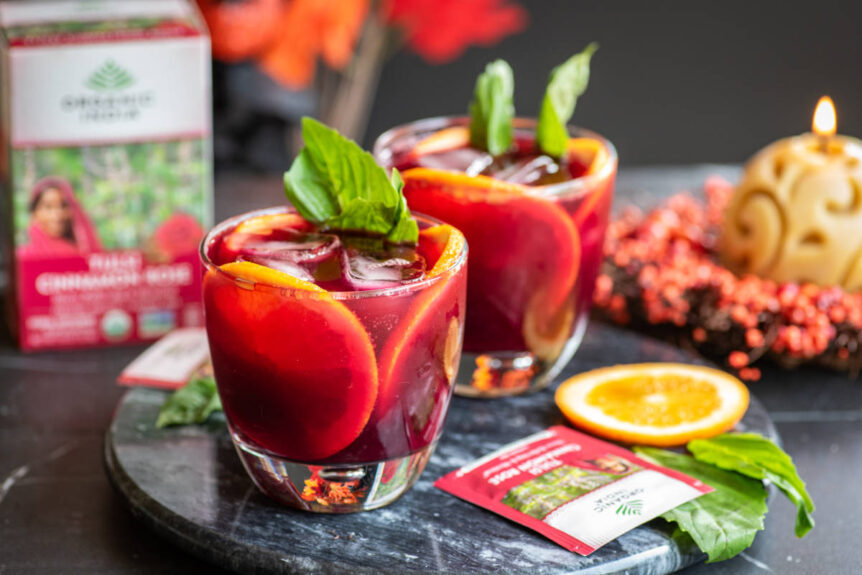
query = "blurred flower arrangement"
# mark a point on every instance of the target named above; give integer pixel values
(277, 60)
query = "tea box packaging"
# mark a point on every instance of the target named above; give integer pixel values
(105, 129)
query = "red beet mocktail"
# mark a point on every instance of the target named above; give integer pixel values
(334, 353)
(535, 226)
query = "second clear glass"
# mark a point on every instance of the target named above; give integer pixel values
(535, 254)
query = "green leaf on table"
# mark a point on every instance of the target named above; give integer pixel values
(567, 83)
(755, 456)
(722, 523)
(336, 184)
(192, 403)
(492, 109)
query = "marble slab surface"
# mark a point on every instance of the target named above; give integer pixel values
(188, 485)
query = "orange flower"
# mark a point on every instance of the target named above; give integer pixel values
(241, 30)
(312, 28)
(440, 30)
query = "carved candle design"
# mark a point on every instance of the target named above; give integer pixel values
(797, 213)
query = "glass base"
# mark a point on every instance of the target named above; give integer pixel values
(503, 373)
(336, 488)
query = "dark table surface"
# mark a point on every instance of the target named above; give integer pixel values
(58, 514)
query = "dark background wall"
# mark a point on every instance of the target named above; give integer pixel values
(675, 81)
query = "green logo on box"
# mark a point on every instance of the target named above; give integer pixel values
(631, 507)
(110, 77)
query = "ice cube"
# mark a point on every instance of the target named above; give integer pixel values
(282, 265)
(468, 160)
(367, 270)
(529, 171)
(292, 246)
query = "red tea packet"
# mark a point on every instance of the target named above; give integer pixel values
(170, 362)
(576, 490)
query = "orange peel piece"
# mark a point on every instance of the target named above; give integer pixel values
(450, 239)
(442, 140)
(589, 151)
(253, 273)
(593, 154)
(268, 222)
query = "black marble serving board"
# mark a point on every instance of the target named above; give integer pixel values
(188, 484)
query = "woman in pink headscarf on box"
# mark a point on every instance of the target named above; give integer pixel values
(58, 224)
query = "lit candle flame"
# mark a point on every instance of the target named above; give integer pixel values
(824, 121)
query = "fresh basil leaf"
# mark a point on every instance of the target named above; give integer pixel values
(406, 230)
(722, 523)
(192, 403)
(307, 190)
(567, 83)
(336, 184)
(360, 214)
(493, 108)
(755, 456)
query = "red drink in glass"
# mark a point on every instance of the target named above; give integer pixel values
(535, 226)
(334, 355)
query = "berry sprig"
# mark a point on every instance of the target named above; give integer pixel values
(662, 274)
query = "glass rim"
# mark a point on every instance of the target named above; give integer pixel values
(234, 221)
(582, 183)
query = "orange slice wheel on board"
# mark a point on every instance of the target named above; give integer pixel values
(662, 404)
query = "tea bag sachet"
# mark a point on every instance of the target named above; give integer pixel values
(576, 490)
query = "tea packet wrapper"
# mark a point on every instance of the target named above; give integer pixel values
(576, 490)
(170, 362)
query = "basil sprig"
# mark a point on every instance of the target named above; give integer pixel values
(336, 184)
(723, 523)
(193, 403)
(566, 84)
(493, 108)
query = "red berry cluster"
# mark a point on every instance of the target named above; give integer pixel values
(661, 274)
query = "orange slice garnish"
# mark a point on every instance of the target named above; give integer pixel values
(443, 244)
(302, 366)
(420, 358)
(593, 154)
(474, 187)
(253, 273)
(268, 222)
(547, 330)
(588, 151)
(443, 140)
(662, 404)
(520, 245)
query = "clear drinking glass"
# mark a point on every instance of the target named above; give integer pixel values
(334, 399)
(535, 250)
